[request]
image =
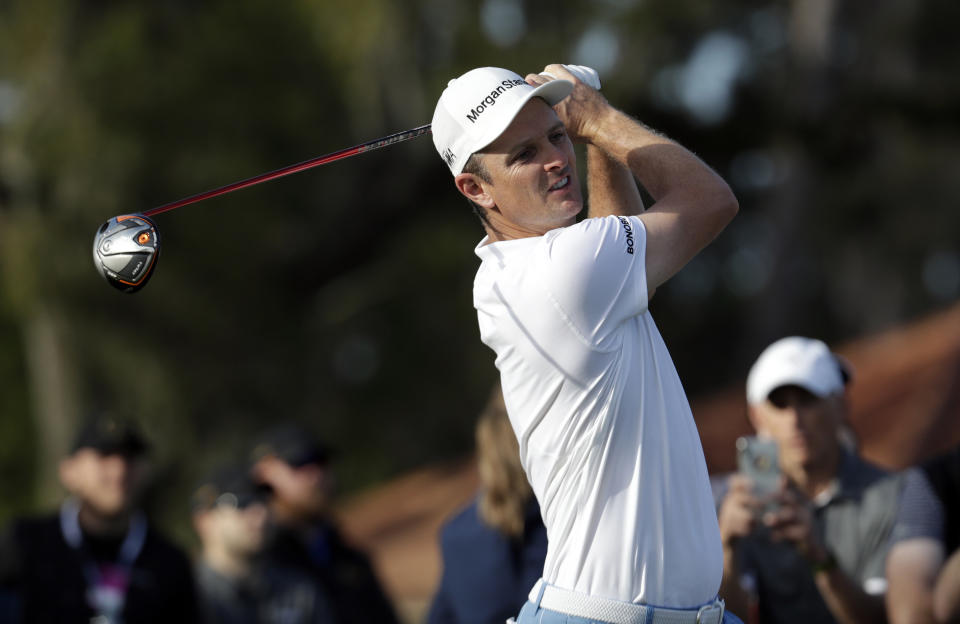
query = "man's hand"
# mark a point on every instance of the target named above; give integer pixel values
(792, 521)
(739, 511)
(738, 516)
(582, 110)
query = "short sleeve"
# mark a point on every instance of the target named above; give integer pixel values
(878, 511)
(921, 512)
(597, 273)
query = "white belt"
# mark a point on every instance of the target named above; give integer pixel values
(619, 612)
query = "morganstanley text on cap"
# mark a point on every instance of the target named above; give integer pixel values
(478, 106)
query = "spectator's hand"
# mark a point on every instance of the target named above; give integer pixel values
(738, 512)
(581, 111)
(792, 521)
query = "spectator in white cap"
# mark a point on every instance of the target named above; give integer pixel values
(606, 436)
(814, 550)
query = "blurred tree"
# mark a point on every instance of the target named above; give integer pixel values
(35, 178)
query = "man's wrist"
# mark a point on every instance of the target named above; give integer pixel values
(825, 562)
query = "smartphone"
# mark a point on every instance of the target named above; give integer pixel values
(757, 459)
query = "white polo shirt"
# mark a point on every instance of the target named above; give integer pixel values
(606, 435)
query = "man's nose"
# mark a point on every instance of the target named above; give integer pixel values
(802, 417)
(555, 158)
(793, 416)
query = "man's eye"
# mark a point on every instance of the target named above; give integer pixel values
(523, 155)
(557, 136)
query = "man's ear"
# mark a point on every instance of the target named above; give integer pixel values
(474, 189)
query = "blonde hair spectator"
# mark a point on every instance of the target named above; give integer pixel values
(504, 490)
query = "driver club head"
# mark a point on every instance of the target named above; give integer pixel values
(125, 251)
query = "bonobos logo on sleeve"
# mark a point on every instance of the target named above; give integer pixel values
(629, 231)
(491, 99)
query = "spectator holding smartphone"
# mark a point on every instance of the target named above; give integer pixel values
(813, 550)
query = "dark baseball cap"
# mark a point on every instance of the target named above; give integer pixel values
(110, 435)
(294, 444)
(231, 485)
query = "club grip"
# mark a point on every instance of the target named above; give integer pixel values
(586, 75)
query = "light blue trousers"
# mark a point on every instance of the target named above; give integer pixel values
(534, 614)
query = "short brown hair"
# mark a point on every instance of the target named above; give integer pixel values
(475, 166)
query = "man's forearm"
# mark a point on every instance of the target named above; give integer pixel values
(611, 186)
(660, 164)
(846, 600)
(912, 569)
(692, 204)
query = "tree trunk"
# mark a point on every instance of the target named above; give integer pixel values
(53, 396)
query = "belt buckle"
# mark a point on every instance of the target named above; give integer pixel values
(707, 613)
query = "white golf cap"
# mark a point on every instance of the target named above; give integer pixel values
(478, 106)
(796, 361)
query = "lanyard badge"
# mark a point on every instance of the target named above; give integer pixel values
(107, 582)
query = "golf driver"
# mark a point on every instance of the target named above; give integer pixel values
(126, 247)
(125, 251)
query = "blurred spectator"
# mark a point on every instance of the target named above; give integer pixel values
(816, 555)
(493, 551)
(923, 567)
(235, 585)
(296, 467)
(99, 559)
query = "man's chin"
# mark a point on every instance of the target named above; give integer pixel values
(110, 512)
(572, 208)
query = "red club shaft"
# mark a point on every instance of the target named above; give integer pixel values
(285, 171)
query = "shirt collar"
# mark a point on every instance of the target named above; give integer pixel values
(853, 476)
(488, 249)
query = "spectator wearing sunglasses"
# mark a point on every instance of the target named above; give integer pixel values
(235, 583)
(297, 468)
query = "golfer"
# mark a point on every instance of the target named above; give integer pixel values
(606, 435)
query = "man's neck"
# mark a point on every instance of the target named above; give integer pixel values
(499, 229)
(498, 234)
(96, 524)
